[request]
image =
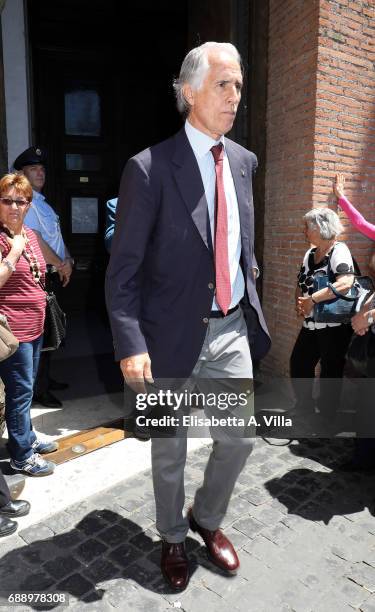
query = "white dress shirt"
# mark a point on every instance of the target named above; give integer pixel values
(201, 145)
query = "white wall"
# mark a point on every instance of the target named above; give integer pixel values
(15, 78)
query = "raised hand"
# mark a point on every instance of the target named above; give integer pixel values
(339, 185)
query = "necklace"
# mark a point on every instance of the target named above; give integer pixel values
(29, 254)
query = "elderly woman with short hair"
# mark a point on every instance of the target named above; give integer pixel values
(326, 343)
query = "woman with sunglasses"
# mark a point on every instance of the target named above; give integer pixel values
(23, 302)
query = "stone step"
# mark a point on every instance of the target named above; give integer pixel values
(16, 484)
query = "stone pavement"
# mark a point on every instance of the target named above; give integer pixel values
(305, 535)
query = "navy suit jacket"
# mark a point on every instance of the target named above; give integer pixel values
(162, 267)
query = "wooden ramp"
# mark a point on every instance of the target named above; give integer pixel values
(86, 441)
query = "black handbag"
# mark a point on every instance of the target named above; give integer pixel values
(55, 320)
(361, 353)
(344, 306)
(54, 324)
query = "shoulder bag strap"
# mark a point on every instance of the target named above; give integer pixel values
(310, 260)
(330, 274)
(42, 285)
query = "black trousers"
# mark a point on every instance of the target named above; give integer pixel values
(4, 491)
(53, 283)
(327, 346)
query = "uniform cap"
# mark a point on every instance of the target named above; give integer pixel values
(33, 155)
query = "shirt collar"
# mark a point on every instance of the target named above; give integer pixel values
(200, 142)
(38, 196)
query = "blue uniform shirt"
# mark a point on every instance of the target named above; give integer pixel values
(42, 218)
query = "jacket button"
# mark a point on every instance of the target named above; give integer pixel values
(205, 320)
(210, 285)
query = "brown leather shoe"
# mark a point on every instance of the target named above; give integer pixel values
(174, 565)
(220, 549)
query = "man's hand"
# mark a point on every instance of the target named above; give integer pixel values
(65, 270)
(136, 370)
(63, 278)
(338, 186)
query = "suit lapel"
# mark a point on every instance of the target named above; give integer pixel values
(190, 185)
(242, 182)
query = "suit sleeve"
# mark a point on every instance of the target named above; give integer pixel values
(135, 218)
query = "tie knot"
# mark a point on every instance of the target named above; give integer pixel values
(218, 152)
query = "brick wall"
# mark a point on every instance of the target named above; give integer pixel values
(345, 110)
(292, 63)
(320, 120)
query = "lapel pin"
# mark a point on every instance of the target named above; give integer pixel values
(242, 172)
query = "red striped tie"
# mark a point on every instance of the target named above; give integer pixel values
(223, 294)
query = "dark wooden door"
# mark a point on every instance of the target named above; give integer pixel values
(74, 102)
(102, 74)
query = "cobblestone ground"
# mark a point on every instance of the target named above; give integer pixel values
(305, 534)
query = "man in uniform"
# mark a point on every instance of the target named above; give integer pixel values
(45, 222)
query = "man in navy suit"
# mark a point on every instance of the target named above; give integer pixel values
(181, 289)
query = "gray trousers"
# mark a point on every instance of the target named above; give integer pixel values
(225, 354)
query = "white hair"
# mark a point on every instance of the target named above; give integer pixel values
(326, 221)
(194, 69)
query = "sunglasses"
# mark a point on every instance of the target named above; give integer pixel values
(18, 202)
